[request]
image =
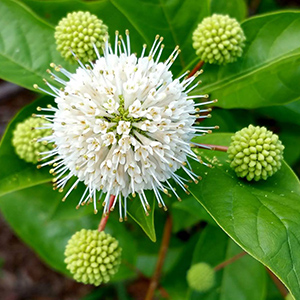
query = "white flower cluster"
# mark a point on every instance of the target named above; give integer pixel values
(123, 125)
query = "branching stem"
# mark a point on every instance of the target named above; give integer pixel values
(161, 257)
(230, 261)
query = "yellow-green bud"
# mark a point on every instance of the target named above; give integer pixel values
(201, 277)
(92, 257)
(255, 153)
(25, 138)
(219, 39)
(78, 31)
(289, 297)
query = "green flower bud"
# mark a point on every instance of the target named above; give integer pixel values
(25, 138)
(255, 153)
(78, 31)
(219, 39)
(92, 257)
(289, 297)
(201, 277)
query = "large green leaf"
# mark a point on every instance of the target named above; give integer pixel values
(39, 217)
(27, 45)
(269, 70)
(15, 173)
(262, 217)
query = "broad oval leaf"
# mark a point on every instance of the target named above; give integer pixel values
(269, 70)
(262, 217)
(40, 219)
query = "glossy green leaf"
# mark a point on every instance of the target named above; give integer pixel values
(137, 213)
(45, 223)
(230, 120)
(27, 45)
(289, 113)
(289, 135)
(269, 70)
(262, 217)
(244, 279)
(15, 173)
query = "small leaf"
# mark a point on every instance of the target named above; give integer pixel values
(267, 73)
(262, 217)
(137, 213)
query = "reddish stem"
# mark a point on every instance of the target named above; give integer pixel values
(197, 67)
(229, 261)
(213, 147)
(281, 288)
(104, 219)
(161, 257)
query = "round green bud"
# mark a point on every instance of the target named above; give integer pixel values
(77, 32)
(201, 277)
(255, 153)
(25, 138)
(92, 257)
(219, 39)
(289, 297)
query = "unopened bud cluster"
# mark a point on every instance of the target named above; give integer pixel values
(255, 153)
(219, 39)
(77, 32)
(201, 277)
(92, 257)
(25, 139)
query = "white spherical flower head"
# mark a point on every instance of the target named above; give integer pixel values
(123, 125)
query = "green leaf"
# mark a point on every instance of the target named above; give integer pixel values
(262, 217)
(289, 113)
(15, 173)
(187, 213)
(27, 45)
(267, 73)
(137, 213)
(45, 223)
(289, 135)
(235, 9)
(244, 279)
(230, 120)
